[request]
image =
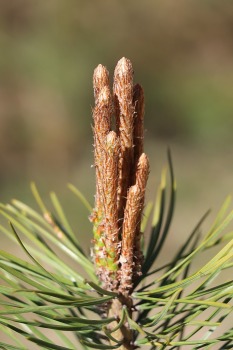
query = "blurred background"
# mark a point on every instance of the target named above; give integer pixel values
(182, 53)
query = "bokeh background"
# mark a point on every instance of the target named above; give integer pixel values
(182, 53)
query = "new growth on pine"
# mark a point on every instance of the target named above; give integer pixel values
(117, 307)
(122, 170)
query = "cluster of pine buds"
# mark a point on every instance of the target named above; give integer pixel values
(121, 175)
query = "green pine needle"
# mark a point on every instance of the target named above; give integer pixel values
(171, 307)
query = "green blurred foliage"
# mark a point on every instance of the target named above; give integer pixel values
(181, 51)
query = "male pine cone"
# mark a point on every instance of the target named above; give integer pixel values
(122, 171)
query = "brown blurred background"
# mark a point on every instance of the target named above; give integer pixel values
(182, 53)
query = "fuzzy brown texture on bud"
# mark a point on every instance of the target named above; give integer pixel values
(131, 214)
(142, 173)
(100, 79)
(102, 122)
(124, 114)
(121, 175)
(109, 181)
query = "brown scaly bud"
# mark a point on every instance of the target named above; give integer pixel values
(100, 79)
(142, 174)
(109, 186)
(123, 94)
(102, 113)
(102, 122)
(121, 174)
(138, 128)
(131, 214)
(124, 111)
